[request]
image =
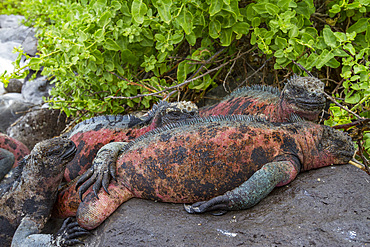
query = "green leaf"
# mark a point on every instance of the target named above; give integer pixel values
(82, 36)
(333, 63)
(353, 99)
(128, 56)
(341, 37)
(359, 27)
(251, 13)
(349, 47)
(92, 65)
(110, 44)
(105, 18)
(260, 8)
(256, 22)
(116, 5)
(283, 3)
(99, 35)
(191, 38)
(272, 9)
(241, 28)
(164, 9)
(182, 71)
(367, 35)
(324, 58)
(215, 7)
(329, 37)
(335, 9)
(185, 19)
(35, 63)
(225, 36)
(138, 9)
(214, 29)
(281, 42)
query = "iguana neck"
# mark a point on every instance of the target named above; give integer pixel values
(313, 157)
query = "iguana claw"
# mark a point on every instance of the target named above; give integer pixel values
(217, 203)
(68, 233)
(102, 170)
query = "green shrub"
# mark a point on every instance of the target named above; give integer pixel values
(101, 49)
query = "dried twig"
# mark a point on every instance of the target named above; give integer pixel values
(255, 72)
(191, 78)
(303, 68)
(228, 73)
(342, 107)
(366, 162)
(355, 123)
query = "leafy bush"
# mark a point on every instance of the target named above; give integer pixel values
(101, 49)
(10, 7)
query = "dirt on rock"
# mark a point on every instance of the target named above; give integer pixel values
(324, 207)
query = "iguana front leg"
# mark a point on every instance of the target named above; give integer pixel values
(102, 169)
(27, 234)
(257, 187)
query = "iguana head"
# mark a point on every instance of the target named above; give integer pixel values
(50, 157)
(304, 96)
(165, 113)
(336, 144)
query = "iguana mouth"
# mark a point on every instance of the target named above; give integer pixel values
(310, 105)
(70, 151)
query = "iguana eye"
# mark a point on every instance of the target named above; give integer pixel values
(56, 152)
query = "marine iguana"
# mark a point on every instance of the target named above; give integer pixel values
(11, 152)
(225, 162)
(303, 96)
(93, 133)
(27, 197)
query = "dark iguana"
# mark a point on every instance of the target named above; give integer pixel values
(232, 161)
(11, 152)
(27, 196)
(303, 96)
(92, 134)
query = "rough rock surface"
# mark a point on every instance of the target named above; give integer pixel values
(34, 90)
(12, 106)
(37, 126)
(323, 207)
(14, 86)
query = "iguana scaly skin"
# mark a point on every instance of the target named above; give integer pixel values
(303, 96)
(11, 152)
(233, 161)
(92, 134)
(27, 196)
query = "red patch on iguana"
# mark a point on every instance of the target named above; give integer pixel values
(14, 146)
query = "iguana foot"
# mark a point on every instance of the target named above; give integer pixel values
(69, 233)
(102, 170)
(218, 203)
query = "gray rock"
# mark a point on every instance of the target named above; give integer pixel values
(10, 21)
(12, 106)
(323, 207)
(17, 34)
(34, 90)
(14, 86)
(6, 49)
(37, 125)
(30, 44)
